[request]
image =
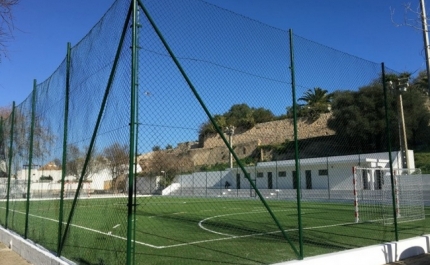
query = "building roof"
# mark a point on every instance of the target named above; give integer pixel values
(347, 159)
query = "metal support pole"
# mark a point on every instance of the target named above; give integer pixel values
(133, 135)
(328, 179)
(9, 170)
(230, 133)
(296, 147)
(387, 131)
(64, 158)
(403, 131)
(30, 158)
(426, 41)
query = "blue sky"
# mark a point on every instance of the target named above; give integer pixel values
(359, 27)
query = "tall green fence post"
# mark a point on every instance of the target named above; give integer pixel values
(9, 170)
(2, 147)
(64, 158)
(30, 158)
(296, 147)
(135, 162)
(387, 131)
(133, 135)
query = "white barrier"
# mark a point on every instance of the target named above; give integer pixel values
(371, 255)
(33, 253)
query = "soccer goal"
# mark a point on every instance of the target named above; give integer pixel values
(373, 195)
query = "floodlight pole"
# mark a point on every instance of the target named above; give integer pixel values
(403, 125)
(426, 41)
(401, 86)
(230, 133)
(164, 177)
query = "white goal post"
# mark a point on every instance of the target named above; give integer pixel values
(373, 195)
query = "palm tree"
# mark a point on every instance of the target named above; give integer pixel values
(318, 96)
(317, 102)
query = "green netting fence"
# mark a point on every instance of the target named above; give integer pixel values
(179, 132)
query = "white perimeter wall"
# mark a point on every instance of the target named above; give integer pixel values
(372, 255)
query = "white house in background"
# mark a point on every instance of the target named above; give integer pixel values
(97, 180)
(328, 173)
(38, 171)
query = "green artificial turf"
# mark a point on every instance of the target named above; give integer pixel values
(180, 230)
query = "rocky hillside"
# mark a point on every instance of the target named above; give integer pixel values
(212, 150)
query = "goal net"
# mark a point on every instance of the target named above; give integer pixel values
(374, 191)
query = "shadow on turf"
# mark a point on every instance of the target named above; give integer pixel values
(218, 253)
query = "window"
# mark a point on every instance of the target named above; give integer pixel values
(323, 172)
(260, 175)
(282, 174)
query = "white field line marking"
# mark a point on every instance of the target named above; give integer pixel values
(116, 226)
(229, 214)
(152, 216)
(252, 235)
(90, 229)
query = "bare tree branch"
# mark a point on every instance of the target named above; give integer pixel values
(411, 17)
(5, 111)
(6, 24)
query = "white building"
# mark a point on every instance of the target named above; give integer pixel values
(326, 173)
(96, 181)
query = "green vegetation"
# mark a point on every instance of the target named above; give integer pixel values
(215, 167)
(359, 116)
(241, 116)
(317, 101)
(247, 161)
(422, 161)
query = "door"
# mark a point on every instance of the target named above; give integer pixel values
(269, 180)
(251, 189)
(379, 179)
(308, 174)
(294, 180)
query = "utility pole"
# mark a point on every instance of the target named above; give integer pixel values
(403, 134)
(426, 41)
(400, 87)
(230, 133)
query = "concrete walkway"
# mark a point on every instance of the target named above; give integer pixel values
(9, 257)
